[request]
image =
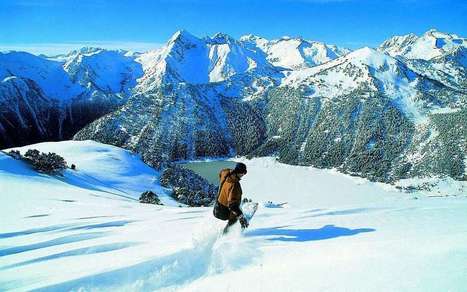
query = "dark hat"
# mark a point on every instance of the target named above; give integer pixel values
(240, 168)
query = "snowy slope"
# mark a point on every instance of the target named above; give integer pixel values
(104, 167)
(336, 233)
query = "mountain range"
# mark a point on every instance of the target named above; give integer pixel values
(385, 113)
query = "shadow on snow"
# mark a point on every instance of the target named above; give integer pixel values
(53, 242)
(65, 227)
(301, 235)
(76, 252)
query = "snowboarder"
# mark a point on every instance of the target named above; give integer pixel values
(229, 197)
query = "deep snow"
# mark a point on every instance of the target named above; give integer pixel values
(85, 232)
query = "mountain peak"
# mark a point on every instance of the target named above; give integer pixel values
(251, 37)
(433, 32)
(221, 38)
(85, 51)
(365, 51)
(254, 41)
(370, 57)
(183, 36)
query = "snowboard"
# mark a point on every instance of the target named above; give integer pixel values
(249, 210)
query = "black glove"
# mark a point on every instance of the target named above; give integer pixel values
(235, 208)
(243, 221)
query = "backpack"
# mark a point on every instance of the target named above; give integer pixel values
(220, 211)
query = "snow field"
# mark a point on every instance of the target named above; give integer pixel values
(336, 232)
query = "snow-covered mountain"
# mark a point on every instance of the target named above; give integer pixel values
(186, 58)
(294, 53)
(431, 44)
(449, 68)
(49, 76)
(106, 78)
(52, 98)
(104, 71)
(437, 55)
(373, 71)
(366, 112)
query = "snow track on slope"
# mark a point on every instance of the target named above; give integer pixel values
(209, 254)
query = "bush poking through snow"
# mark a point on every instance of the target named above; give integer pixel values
(50, 163)
(15, 154)
(149, 197)
(188, 187)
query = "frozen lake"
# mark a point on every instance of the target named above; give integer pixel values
(209, 169)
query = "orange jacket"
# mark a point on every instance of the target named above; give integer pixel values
(231, 192)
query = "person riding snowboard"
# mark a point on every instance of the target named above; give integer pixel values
(227, 206)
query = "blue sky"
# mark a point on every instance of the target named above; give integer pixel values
(57, 26)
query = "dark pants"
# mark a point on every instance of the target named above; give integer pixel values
(223, 213)
(232, 220)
